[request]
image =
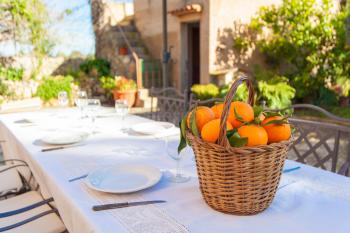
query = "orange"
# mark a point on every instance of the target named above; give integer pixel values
(210, 131)
(256, 134)
(217, 109)
(203, 115)
(277, 132)
(244, 110)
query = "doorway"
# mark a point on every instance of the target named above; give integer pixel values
(191, 54)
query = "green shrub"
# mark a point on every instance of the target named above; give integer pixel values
(52, 85)
(326, 98)
(13, 74)
(302, 40)
(276, 92)
(107, 82)
(96, 67)
(241, 93)
(204, 92)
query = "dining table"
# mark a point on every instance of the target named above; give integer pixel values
(308, 200)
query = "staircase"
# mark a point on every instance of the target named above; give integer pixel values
(136, 63)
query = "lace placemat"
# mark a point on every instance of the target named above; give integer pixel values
(137, 219)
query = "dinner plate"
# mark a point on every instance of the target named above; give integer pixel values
(64, 137)
(125, 178)
(151, 128)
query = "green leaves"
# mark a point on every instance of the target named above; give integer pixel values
(277, 122)
(257, 110)
(183, 141)
(204, 92)
(183, 127)
(52, 85)
(277, 94)
(307, 43)
(237, 141)
(193, 123)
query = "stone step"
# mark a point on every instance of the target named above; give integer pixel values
(146, 102)
(143, 93)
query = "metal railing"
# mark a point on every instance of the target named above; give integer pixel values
(151, 73)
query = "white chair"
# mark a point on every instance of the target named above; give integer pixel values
(15, 177)
(29, 213)
(24, 211)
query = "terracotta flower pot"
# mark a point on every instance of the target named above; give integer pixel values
(123, 51)
(130, 96)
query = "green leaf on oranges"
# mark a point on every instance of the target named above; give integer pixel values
(237, 141)
(193, 123)
(183, 140)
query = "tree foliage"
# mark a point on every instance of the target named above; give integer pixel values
(304, 41)
(23, 22)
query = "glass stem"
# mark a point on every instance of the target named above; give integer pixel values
(93, 124)
(178, 171)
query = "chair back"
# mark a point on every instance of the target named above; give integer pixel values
(210, 102)
(322, 144)
(168, 104)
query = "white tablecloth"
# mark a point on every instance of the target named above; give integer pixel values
(308, 200)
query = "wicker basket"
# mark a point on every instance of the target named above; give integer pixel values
(243, 180)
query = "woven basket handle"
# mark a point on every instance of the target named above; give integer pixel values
(227, 104)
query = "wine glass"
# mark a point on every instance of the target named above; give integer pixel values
(62, 98)
(171, 149)
(121, 108)
(91, 108)
(81, 101)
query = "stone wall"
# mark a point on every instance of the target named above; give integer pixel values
(29, 63)
(106, 15)
(229, 18)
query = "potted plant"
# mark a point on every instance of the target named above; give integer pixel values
(121, 88)
(123, 50)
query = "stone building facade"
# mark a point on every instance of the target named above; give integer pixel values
(200, 35)
(209, 23)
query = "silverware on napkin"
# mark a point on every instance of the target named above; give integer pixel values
(60, 147)
(124, 204)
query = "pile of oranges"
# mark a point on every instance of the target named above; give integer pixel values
(244, 127)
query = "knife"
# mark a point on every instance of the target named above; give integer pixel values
(291, 169)
(124, 204)
(60, 147)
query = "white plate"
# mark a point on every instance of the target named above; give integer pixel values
(151, 128)
(64, 137)
(123, 178)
